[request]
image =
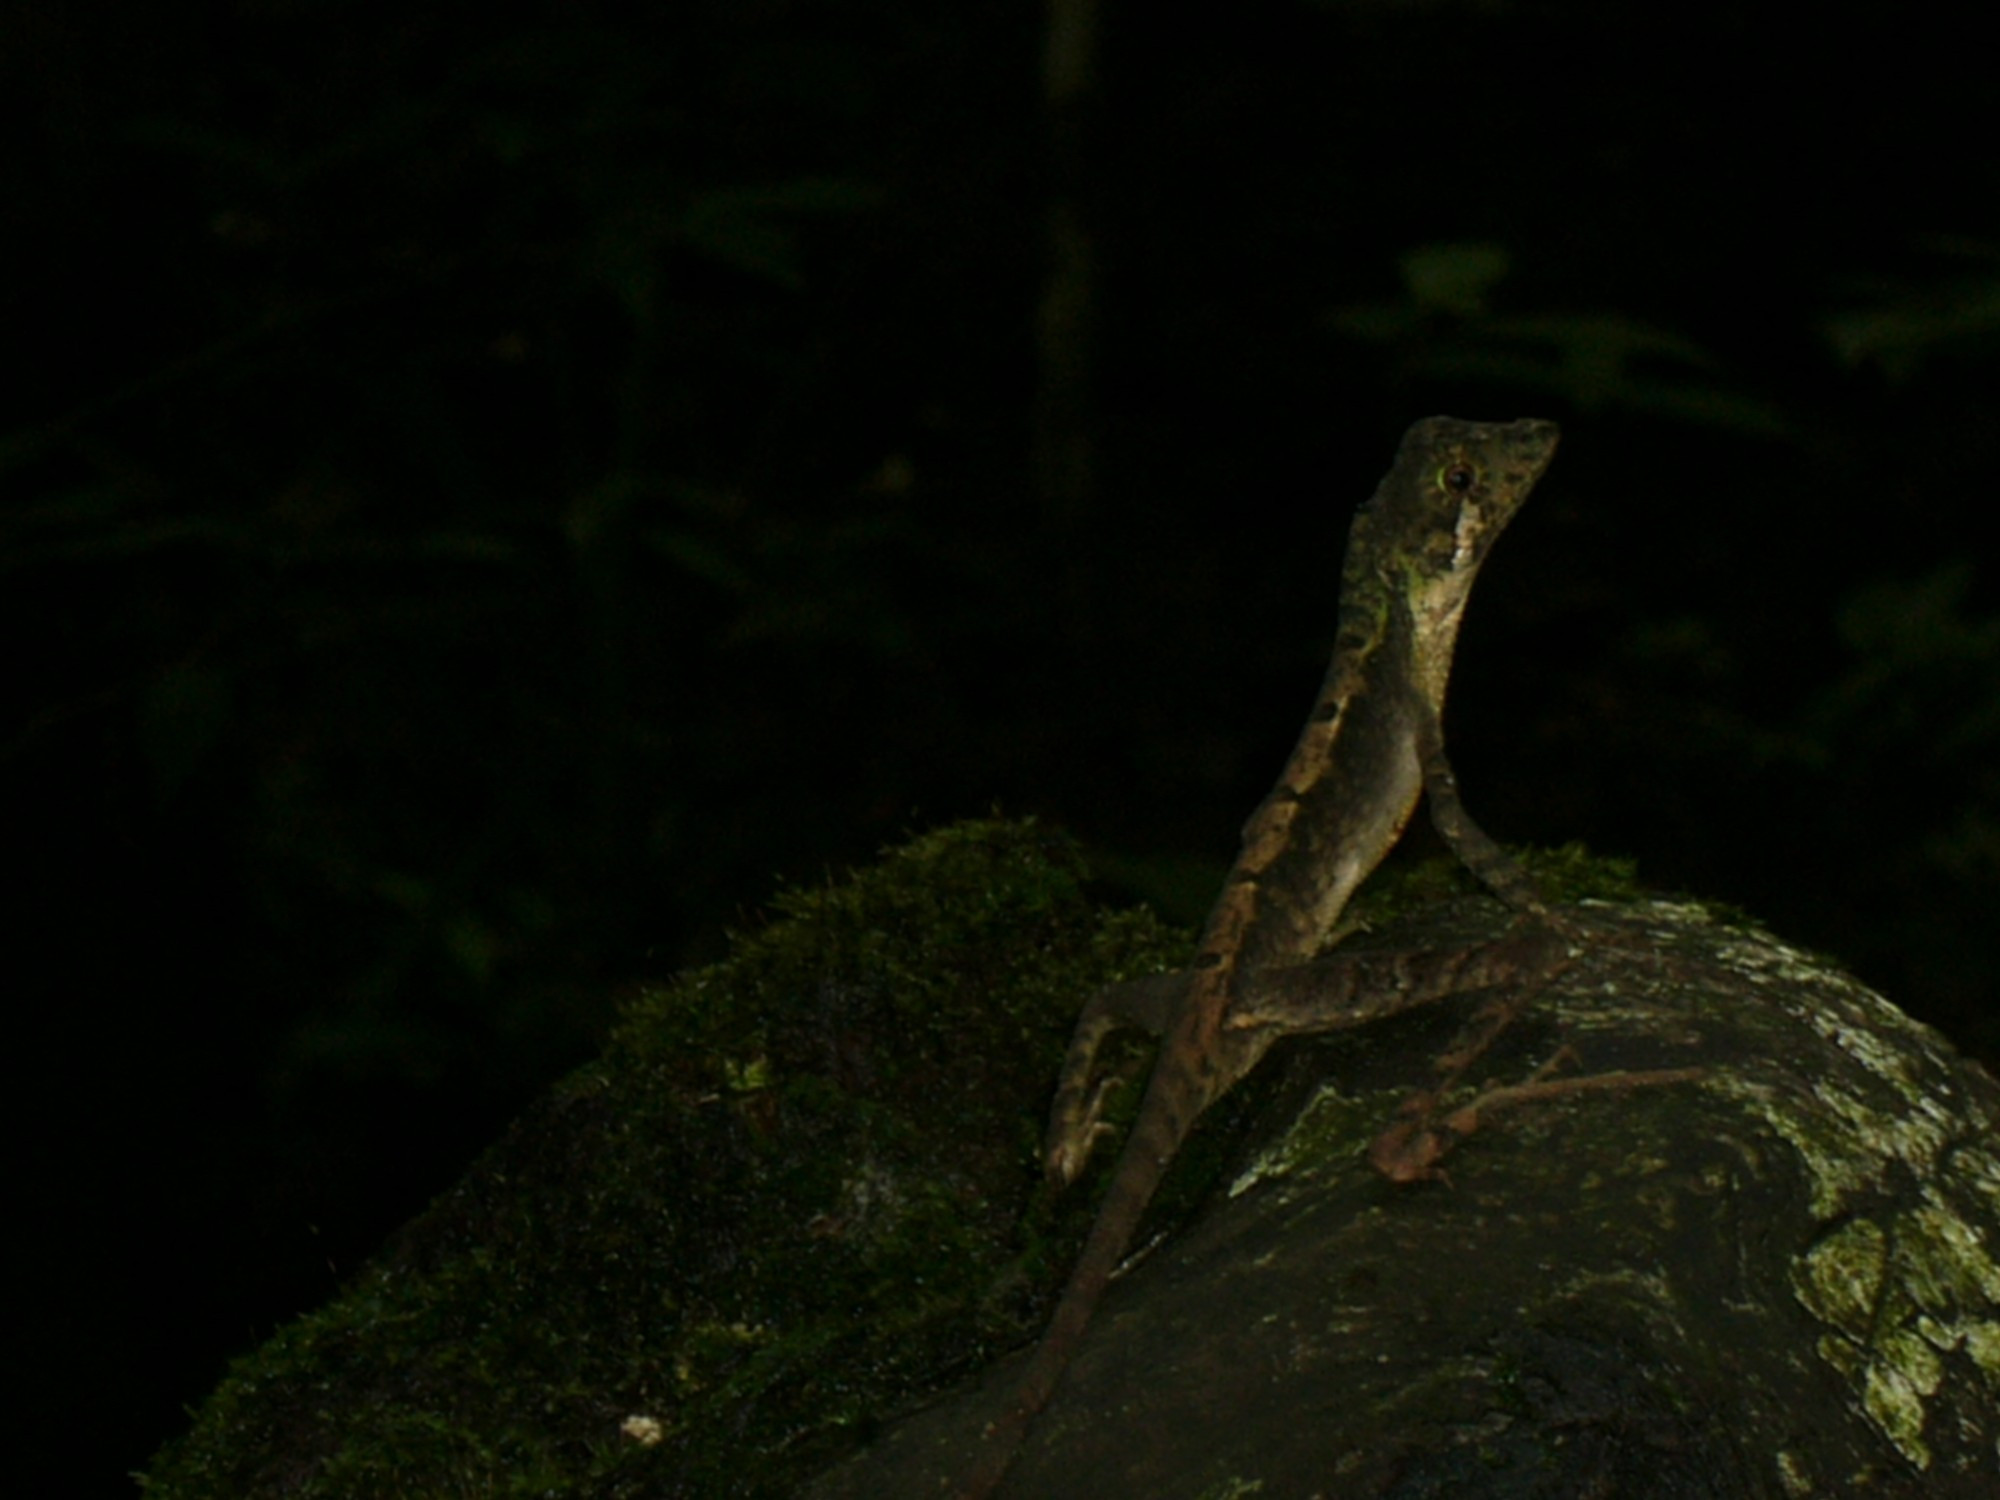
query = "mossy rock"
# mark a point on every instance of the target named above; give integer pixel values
(1778, 1279)
(774, 1241)
(798, 1187)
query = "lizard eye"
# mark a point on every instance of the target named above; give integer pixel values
(1458, 478)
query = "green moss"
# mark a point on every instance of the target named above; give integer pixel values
(1898, 1293)
(1899, 1280)
(1566, 874)
(798, 1186)
(1332, 1128)
(1232, 1489)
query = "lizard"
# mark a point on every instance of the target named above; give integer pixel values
(1371, 747)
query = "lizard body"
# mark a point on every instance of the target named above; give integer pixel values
(1371, 746)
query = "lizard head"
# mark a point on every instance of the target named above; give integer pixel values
(1454, 487)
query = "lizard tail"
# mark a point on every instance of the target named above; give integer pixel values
(1143, 1162)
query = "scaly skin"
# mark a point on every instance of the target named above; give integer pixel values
(1371, 746)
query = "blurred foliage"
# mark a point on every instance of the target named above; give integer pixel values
(1445, 330)
(1904, 323)
(404, 533)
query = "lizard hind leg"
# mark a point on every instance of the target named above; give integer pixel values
(1410, 1149)
(1076, 1121)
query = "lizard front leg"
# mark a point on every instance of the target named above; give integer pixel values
(1496, 869)
(1500, 872)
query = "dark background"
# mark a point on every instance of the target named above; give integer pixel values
(485, 494)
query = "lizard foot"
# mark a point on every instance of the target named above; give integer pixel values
(1410, 1149)
(1074, 1139)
